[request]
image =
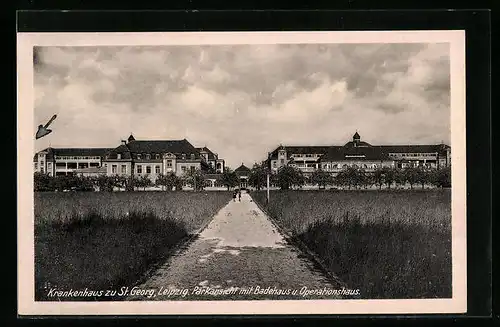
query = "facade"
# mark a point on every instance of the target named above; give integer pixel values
(243, 173)
(216, 164)
(61, 161)
(131, 158)
(357, 153)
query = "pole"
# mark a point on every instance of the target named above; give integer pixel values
(267, 187)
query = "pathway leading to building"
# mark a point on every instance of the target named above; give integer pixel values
(239, 256)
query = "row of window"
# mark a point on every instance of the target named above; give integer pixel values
(420, 154)
(77, 157)
(156, 156)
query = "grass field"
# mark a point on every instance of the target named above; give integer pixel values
(389, 244)
(103, 241)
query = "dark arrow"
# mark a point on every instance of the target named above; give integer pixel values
(43, 130)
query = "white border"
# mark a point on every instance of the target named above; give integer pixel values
(25, 116)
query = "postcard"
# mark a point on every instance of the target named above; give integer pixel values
(234, 173)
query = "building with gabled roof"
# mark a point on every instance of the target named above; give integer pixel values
(243, 173)
(131, 158)
(357, 153)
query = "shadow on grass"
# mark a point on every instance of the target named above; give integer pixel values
(99, 254)
(396, 260)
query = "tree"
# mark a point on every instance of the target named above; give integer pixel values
(143, 181)
(399, 177)
(411, 176)
(288, 176)
(43, 182)
(422, 176)
(441, 177)
(229, 178)
(378, 177)
(389, 176)
(168, 181)
(258, 176)
(321, 178)
(195, 178)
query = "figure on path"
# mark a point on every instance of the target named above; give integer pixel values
(234, 196)
(239, 195)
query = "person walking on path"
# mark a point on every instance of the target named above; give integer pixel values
(234, 196)
(239, 195)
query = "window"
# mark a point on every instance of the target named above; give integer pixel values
(139, 156)
(119, 156)
(193, 168)
(169, 163)
(157, 156)
(192, 156)
(124, 169)
(139, 169)
(148, 157)
(36, 166)
(183, 168)
(148, 169)
(282, 161)
(274, 164)
(157, 169)
(71, 165)
(183, 156)
(42, 170)
(113, 169)
(309, 155)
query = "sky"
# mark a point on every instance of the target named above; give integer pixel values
(243, 101)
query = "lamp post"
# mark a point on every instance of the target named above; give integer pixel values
(268, 170)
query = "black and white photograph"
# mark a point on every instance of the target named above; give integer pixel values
(232, 173)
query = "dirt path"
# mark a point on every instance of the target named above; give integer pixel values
(240, 255)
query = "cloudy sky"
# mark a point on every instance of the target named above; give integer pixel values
(244, 100)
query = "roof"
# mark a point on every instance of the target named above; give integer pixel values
(74, 152)
(242, 169)
(211, 155)
(357, 144)
(370, 152)
(161, 146)
(176, 147)
(362, 153)
(356, 136)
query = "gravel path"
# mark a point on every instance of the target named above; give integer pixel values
(239, 256)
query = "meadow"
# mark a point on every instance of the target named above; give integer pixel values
(389, 244)
(106, 240)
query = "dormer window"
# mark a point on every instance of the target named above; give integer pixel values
(157, 156)
(148, 156)
(139, 156)
(183, 156)
(192, 156)
(118, 156)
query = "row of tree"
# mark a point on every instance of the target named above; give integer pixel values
(285, 178)
(350, 177)
(45, 182)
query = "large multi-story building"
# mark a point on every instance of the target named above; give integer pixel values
(131, 158)
(357, 153)
(61, 161)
